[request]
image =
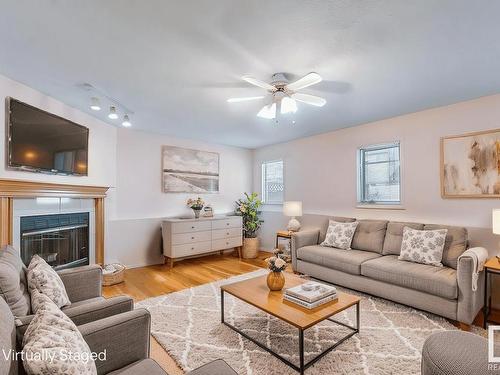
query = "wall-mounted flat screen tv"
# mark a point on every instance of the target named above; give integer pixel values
(40, 141)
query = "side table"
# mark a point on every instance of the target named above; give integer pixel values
(282, 234)
(492, 266)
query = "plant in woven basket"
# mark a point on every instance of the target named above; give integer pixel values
(248, 208)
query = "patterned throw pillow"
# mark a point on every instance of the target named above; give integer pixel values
(340, 235)
(423, 246)
(43, 278)
(52, 342)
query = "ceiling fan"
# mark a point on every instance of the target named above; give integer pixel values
(284, 95)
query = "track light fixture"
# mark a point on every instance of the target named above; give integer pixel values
(112, 113)
(94, 104)
(126, 121)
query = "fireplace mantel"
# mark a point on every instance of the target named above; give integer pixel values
(10, 189)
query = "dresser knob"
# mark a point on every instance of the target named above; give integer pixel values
(192, 238)
(192, 248)
(192, 227)
(227, 223)
(227, 233)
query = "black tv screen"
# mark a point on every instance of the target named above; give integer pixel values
(43, 142)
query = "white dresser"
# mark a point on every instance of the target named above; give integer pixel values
(184, 238)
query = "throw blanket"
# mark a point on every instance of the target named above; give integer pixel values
(479, 256)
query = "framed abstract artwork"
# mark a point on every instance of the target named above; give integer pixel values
(470, 165)
(189, 171)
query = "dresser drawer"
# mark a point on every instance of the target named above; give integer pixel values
(226, 233)
(185, 250)
(186, 238)
(231, 222)
(191, 226)
(226, 243)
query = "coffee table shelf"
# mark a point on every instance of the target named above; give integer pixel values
(256, 293)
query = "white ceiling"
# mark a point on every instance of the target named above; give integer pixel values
(176, 62)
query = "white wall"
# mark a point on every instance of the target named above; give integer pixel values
(130, 163)
(102, 138)
(139, 202)
(321, 170)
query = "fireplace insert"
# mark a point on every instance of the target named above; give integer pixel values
(62, 239)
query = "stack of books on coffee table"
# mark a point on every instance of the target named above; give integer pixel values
(311, 294)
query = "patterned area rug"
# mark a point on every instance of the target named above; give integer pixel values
(187, 325)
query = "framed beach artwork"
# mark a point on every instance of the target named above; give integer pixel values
(189, 171)
(470, 165)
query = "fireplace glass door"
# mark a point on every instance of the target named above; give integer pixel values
(62, 240)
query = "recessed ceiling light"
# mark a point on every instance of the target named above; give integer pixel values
(112, 113)
(126, 121)
(94, 104)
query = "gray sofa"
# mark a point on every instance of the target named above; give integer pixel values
(372, 266)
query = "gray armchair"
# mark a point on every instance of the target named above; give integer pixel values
(125, 338)
(83, 285)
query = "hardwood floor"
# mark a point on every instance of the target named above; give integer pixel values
(152, 281)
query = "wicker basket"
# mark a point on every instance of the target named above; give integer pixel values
(115, 277)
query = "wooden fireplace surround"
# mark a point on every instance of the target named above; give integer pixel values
(10, 189)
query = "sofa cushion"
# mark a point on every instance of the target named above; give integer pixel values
(439, 281)
(423, 246)
(370, 235)
(13, 284)
(339, 235)
(455, 244)
(42, 277)
(347, 261)
(53, 334)
(8, 366)
(394, 236)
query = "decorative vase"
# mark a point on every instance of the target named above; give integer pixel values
(275, 281)
(196, 212)
(250, 248)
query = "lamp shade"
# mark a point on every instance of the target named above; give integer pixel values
(496, 221)
(292, 208)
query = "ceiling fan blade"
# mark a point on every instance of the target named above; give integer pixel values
(268, 111)
(259, 83)
(309, 99)
(248, 98)
(307, 80)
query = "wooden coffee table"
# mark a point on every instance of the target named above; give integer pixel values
(256, 293)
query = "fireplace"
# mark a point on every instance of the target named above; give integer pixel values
(61, 239)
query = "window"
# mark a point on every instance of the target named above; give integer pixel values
(272, 182)
(379, 174)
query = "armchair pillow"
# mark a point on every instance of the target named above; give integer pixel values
(50, 339)
(423, 246)
(13, 283)
(339, 234)
(43, 278)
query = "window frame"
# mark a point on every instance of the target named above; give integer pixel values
(263, 181)
(362, 203)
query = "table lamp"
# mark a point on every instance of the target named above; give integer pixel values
(495, 220)
(293, 209)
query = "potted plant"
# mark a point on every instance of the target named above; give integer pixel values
(248, 208)
(275, 278)
(196, 205)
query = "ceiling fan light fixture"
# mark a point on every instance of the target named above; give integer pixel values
(268, 111)
(288, 105)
